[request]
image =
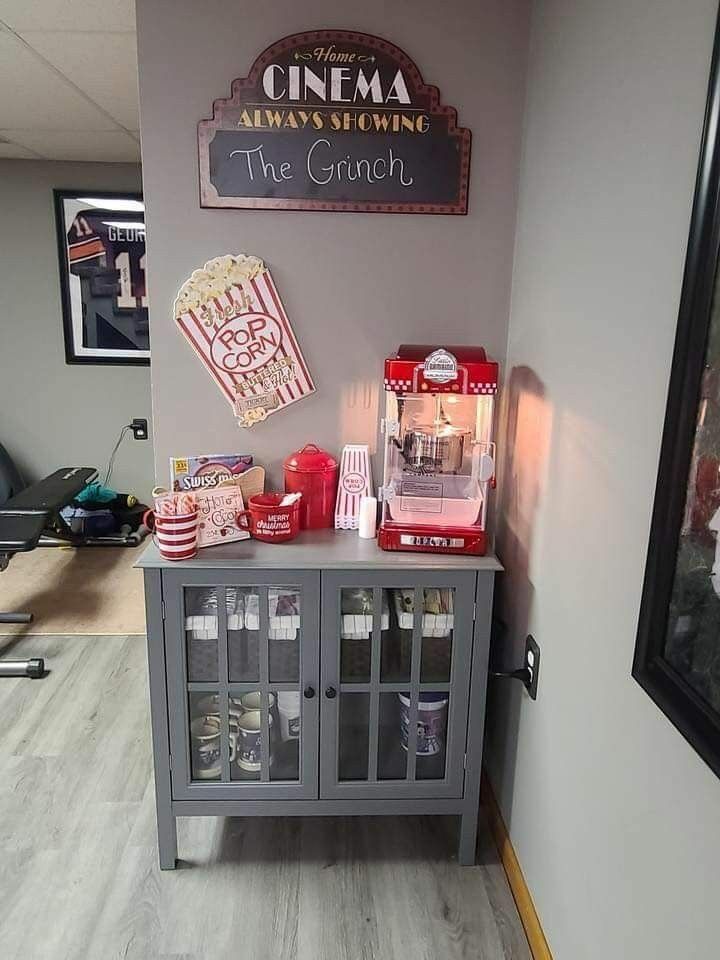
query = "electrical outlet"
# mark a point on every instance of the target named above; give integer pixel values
(139, 427)
(532, 665)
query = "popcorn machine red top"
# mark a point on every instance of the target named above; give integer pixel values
(439, 453)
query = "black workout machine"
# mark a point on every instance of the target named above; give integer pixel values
(31, 518)
(24, 520)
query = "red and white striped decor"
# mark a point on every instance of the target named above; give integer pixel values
(354, 484)
(177, 537)
(265, 384)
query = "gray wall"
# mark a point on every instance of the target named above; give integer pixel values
(354, 285)
(615, 819)
(52, 414)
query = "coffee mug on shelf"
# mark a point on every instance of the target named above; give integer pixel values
(209, 706)
(176, 537)
(205, 733)
(252, 701)
(431, 723)
(249, 741)
(268, 520)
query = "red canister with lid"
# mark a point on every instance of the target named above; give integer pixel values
(313, 473)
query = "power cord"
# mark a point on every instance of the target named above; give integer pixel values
(111, 461)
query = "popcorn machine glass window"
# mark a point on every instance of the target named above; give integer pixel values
(439, 454)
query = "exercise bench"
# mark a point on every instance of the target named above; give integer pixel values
(30, 519)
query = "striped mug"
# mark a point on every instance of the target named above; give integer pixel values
(176, 537)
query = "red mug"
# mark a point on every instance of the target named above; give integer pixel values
(268, 521)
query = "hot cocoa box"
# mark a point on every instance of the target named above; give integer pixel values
(208, 471)
(218, 511)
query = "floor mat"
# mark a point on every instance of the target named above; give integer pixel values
(92, 590)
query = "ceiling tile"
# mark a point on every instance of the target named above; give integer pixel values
(13, 151)
(33, 96)
(104, 65)
(68, 14)
(110, 146)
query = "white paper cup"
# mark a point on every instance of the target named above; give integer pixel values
(289, 710)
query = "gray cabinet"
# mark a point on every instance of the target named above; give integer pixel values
(395, 723)
(322, 677)
(242, 652)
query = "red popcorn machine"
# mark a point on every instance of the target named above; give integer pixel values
(439, 454)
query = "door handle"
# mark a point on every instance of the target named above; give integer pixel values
(309, 692)
(330, 693)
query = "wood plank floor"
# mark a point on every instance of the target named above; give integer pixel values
(79, 874)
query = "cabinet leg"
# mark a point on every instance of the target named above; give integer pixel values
(167, 839)
(157, 675)
(467, 841)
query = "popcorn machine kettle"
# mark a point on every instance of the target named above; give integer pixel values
(439, 453)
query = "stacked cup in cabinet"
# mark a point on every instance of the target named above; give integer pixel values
(356, 629)
(437, 626)
(243, 613)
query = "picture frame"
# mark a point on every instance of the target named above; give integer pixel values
(101, 259)
(677, 653)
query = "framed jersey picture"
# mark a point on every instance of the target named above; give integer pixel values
(101, 247)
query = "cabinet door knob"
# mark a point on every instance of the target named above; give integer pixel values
(309, 692)
(330, 693)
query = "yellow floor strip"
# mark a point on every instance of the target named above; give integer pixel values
(526, 908)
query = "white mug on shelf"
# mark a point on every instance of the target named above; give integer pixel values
(252, 701)
(249, 740)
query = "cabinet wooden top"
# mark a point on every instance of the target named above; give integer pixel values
(317, 550)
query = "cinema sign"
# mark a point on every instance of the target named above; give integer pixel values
(334, 120)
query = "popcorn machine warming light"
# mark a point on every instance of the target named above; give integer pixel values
(439, 454)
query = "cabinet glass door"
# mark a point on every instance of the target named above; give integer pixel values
(245, 656)
(396, 670)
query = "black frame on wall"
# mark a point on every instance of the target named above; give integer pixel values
(687, 710)
(110, 358)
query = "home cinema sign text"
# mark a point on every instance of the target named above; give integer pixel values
(333, 120)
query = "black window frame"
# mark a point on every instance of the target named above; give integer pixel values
(685, 708)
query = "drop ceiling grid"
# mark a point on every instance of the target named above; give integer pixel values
(68, 80)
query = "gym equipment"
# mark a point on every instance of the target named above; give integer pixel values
(33, 517)
(23, 520)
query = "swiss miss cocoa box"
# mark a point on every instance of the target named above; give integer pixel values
(218, 505)
(231, 314)
(207, 471)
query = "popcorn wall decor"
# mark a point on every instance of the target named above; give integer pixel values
(231, 315)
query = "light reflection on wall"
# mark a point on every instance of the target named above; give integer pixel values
(526, 445)
(358, 413)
